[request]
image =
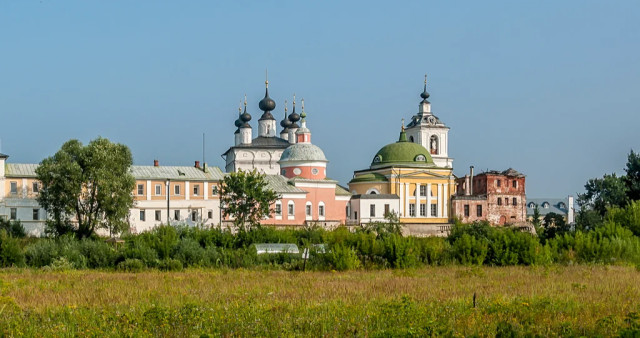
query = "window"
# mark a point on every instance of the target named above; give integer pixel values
(412, 210)
(158, 189)
(466, 210)
(142, 215)
(423, 190)
(14, 213)
(515, 201)
(498, 182)
(290, 208)
(283, 172)
(355, 214)
(545, 205)
(140, 189)
(14, 187)
(308, 210)
(36, 214)
(176, 189)
(499, 200)
(176, 215)
(278, 209)
(479, 210)
(210, 214)
(506, 201)
(346, 211)
(214, 190)
(194, 216)
(157, 215)
(314, 171)
(321, 210)
(423, 209)
(532, 205)
(386, 209)
(36, 187)
(434, 210)
(372, 210)
(514, 183)
(196, 190)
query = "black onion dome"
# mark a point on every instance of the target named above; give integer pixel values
(424, 95)
(245, 117)
(238, 122)
(267, 104)
(294, 117)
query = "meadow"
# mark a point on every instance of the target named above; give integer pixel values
(578, 300)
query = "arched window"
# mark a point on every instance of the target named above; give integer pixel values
(545, 205)
(532, 205)
(278, 209)
(321, 210)
(372, 191)
(411, 139)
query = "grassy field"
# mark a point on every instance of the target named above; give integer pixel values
(556, 300)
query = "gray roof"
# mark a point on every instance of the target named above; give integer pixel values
(470, 197)
(303, 152)
(556, 205)
(418, 119)
(20, 169)
(263, 142)
(376, 197)
(138, 171)
(180, 173)
(280, 184)
(342, 191)
(3, 155)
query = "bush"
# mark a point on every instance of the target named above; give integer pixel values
(41, 253)
(138, 249)
(13, 227)
(170, 265)
(343, 258)
(131, 265)
(98, 254)
(189, 252)
(59, 264)
(470, 250)
(10, 251)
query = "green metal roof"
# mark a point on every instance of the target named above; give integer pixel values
(178, 173)
(342, 191)
(20, 169)
(280, 184)
(402, 153)
(370, 177)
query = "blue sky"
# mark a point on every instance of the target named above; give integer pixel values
(549, 88)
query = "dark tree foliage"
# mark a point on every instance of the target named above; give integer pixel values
(632, 179)
(13, 228)
(603, 193)
(246, 198)
(85, 188)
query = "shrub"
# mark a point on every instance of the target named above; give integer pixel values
(343, 258)
(131, 265)
(13, 227)
(98, 254)
(400, 252)
(59, 264)
(41, 253)
(189, 252)
(138, 249)
(470, 250)
(170, 265)
(10, 251)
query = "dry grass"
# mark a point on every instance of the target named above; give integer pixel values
(555, 300)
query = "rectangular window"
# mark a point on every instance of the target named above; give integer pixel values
(498, 182)
(176, 189)
(372, 210)
(278, 209)
(36, 187)
(386, 209)
(158, 189)
(308, 210)
(434, 210)
(176, 215)
(466, 210)
(515, 183)
(158, 214)
(14, 187)
(290, 209)
(194, 216)
(140, 189)
(196, 190)
(506, 201)
(214, 190)
(321, 210)
(36, 214)
(210, 214)
(515, 202)
(479, 210)
(412, 210)
(423, 190)
(143, 215)
(423, 209)
(14, 213)
(499, 200)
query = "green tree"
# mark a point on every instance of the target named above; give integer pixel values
(632, 179)
(85, 188)
(246, 198)
(602, 193)
(536, 218)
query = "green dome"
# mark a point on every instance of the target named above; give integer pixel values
(402, 153)
(370, 177)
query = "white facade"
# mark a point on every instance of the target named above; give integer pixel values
(427, 130)
(247, 159)
(363, 209)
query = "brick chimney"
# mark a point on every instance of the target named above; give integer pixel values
(156, 163)
(197, 164)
